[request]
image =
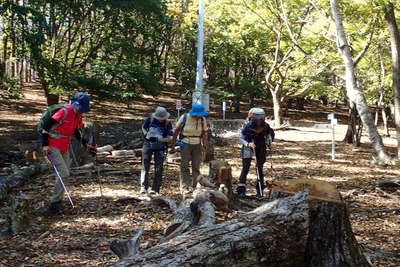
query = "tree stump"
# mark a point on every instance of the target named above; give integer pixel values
(221, 176)
(208, 154)
(331, 241)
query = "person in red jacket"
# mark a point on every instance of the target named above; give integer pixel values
(55, 139)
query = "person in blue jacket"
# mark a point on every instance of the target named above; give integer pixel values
(157, 130)
(255, 136)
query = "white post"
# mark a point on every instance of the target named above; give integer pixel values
(200, 44)
(223, 110)
(331, 117)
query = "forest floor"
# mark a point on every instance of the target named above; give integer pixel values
(80, 237)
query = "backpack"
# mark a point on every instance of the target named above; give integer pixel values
(182, 125)
(47, 114)
(156, 145)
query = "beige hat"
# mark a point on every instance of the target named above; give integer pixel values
(161, 114)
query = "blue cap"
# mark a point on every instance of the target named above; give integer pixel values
(198, 111)
(80, 102)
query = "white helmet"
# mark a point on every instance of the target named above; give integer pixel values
(257, 113)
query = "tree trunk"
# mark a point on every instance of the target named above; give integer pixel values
(300, 103)
(277, 108)
(5, 53)
(236, 105)
(51, 99)
(385, 122)
(331, 241)
(221, 176)
(353, 134)
(395, 46)
(353, 93)
(284, 232)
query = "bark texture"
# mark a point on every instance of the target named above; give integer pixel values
(274, 234)
(288, 231)
(353, 93)
(221, 176)
(331, 241)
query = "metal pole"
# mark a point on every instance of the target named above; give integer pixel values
(61, 180)
(223, 110)
(200, 45)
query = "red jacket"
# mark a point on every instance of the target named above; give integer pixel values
(71, 122)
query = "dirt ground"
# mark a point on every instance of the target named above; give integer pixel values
(80, 237)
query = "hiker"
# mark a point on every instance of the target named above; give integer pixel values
(255, 136)
(192, 130)
(257, 113)
(55, 135)
(157, 130)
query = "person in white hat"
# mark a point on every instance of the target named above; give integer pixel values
(157, 131)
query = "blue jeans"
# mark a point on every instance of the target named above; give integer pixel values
(159, 156)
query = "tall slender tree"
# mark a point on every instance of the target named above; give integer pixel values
(353, 92)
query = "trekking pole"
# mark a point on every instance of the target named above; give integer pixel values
(91, 142)
(258, 175)
(61, 180)
(273, 176)
(73, 155)
(166, 158)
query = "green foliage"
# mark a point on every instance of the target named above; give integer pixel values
(10, 88)
(109, 47)
(118, 50)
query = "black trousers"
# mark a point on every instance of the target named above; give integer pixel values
(245, 171)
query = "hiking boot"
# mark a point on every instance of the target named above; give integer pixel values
(53, 208)
(153, 193)
(259, 197)
(241, 191)
(241, 195)
(143, 191)
(187, 194)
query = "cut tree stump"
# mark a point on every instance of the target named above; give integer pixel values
(221, 176)
(331, 241)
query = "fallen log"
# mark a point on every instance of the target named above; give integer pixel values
(274, 234)
(11, 181)
(109, 171)
(288, 231)
(395, 182)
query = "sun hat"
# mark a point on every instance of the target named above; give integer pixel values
(198, 111)
(80, 102)
(161, 114)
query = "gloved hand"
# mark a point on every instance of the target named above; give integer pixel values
(92, 149)
(153, 139)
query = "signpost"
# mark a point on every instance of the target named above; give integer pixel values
(223, 110)
(334, 121)
(178, 107)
